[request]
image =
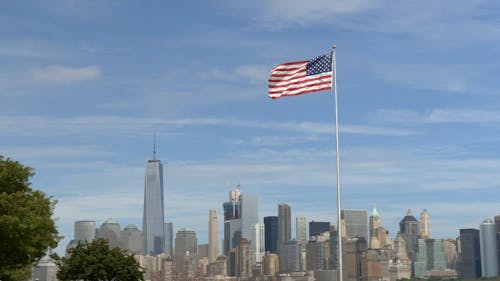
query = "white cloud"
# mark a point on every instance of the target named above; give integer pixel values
(58, 73)
(439, 115)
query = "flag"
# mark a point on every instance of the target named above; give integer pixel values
(301, 77)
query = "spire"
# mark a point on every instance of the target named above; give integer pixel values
(154, 146)
(409, 213)
(374, 211)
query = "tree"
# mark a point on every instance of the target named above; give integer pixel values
(27, 230)
(97, 261)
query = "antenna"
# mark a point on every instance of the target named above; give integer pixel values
(154, 146)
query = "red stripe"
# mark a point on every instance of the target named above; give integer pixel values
(297, 82)
(289, 63)
(302, 87)
(301, 93)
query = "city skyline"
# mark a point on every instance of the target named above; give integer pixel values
(85, 85)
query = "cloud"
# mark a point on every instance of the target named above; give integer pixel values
(84, 125)
(439, 115)
(58, 73)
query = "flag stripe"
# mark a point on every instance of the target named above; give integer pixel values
(300, 85)
(295, 78)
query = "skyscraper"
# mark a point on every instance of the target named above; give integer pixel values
(84, 231)
(213, 236)
(271, 234)
(249, 208)
(186, 243)
(318, 227)
(301, 231)
(284, 230)
(153, 219)
(232, 221)
(169, 239)
(409, 228)
(470, 256)
(356, 223)
(257, 243)
(284, 223)
(488, 246)
(425, 224)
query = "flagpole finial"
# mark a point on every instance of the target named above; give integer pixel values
(334, 46)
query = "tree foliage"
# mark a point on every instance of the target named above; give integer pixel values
(97, 261)
(27, 230)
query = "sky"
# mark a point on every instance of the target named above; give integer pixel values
(85, 85)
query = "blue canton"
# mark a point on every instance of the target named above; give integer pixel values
(319, 64)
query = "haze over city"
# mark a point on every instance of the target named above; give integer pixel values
(85, 85)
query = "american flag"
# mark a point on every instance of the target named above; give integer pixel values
(301, 77)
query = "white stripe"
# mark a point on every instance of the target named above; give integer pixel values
(326, 75)
(284, 67)
(305, 83)
(282, 72)
(291, 93)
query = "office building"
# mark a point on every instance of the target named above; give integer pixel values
(45, 270)
(84, 231)
(257, 243)
(186, 244)
(290, 256)
(318, 227)
(169, 239)
(430, 257)
(270, 264)
(425, 224)
(110, 231)
(301, 230)
(244, 259)
(409, 228)
(232, 221)
(375, 265)
(213, 236)
(249, 207)
(488, 249)
(318, 255)
(131, 240)
(271, 234)
(284, 230)
(153, 218)
(356, 223)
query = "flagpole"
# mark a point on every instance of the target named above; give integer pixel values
(339, 223)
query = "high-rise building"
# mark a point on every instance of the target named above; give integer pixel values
(131, 240)
(301, 230)
(153, 219)
(271, 234)
(257, 243)
(243, 259)
(318, 227)
(110, 231)
(270, 264)
(290, 256)
(356, 223)
(374, 225)
(185, 243)
(409, 228)
(169, 239)
(213, 236)
(284, 229)
(430, 257)
(84, 231)
(232, 221)
(351, 257)
(318, 255)
(488, 246)
(425, 224)
(249, 207)
(375, 265)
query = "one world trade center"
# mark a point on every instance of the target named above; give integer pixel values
(153, 220)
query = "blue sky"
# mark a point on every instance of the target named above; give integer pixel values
(84, 85)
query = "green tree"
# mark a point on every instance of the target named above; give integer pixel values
(27, 230)
(97, 261)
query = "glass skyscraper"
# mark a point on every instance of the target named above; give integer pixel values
(153, 220)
